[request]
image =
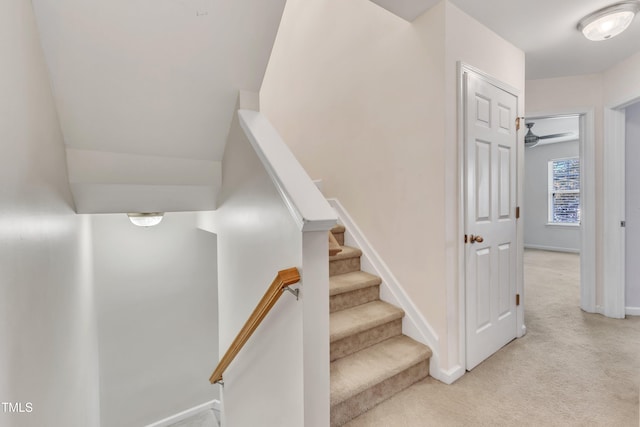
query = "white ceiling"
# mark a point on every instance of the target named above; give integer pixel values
(544, 29)
(153, 79)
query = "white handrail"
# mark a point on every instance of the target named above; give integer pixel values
(305, 202)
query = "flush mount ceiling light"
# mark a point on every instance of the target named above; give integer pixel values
(146, 219)
(608, 22)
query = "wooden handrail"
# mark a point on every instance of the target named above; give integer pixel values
(283, 279)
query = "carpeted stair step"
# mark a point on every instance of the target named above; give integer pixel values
(359, 327)
(364, 379)
(338, 233)
(351, 289)
(345, 262)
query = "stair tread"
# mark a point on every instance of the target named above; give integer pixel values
(351, 321)
(338, 228)
(364, 369)
(348, 282)
(347, 252)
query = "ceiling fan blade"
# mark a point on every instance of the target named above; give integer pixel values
(557, 135)
(531, 144)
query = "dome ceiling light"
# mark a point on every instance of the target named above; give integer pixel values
(608, 22)
(146, 219)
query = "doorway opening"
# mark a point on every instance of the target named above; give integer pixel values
(552, 206)
(559, 196)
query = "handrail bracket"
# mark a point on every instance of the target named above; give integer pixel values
(295, 292)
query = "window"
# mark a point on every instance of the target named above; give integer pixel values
(564, 191)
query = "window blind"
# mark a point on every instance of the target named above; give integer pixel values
(564, 191)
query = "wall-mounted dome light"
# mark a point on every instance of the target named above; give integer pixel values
(146, 219)
(608, 22)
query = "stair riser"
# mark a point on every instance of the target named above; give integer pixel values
(357, 342)
(342, 266)
(339, 237)
(360, 403)
(354, 298)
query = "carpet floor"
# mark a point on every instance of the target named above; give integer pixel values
(571, 368)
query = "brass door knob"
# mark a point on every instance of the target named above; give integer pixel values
(474, 239)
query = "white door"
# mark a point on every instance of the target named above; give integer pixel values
(490, 223)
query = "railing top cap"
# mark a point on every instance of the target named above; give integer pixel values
(307, 205)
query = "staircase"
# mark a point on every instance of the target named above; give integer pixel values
(370, 358)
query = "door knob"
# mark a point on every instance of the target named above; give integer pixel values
(474, 239)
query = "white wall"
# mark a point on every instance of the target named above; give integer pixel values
(632, 238)
(156, 296)
(622, 82)
(48, 354)
(615, 87)
(537, 233)
(367, 102)
(357, 93)
(621, 88)
(257, 237)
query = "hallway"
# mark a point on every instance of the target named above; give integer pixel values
(571, 368)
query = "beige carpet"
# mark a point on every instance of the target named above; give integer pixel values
(370, 358)
(571, 369)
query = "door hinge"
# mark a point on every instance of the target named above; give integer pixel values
(518, 212)
(517, 123)
(517, 299)
(466, 238)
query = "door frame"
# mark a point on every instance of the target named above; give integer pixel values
(614, 179)
(587, 201)
(463, 69)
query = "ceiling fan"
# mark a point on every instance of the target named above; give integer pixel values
(531, 139)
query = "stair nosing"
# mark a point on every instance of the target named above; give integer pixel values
(422, 353)
(366, 280)
(386, 313)
(347, 253)
(338, 228)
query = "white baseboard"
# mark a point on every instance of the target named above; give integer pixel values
(414, 325)
(629, 311)
(449, 376)
(212, 405)
(551, 248)
(632, 311)
(523, 331)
